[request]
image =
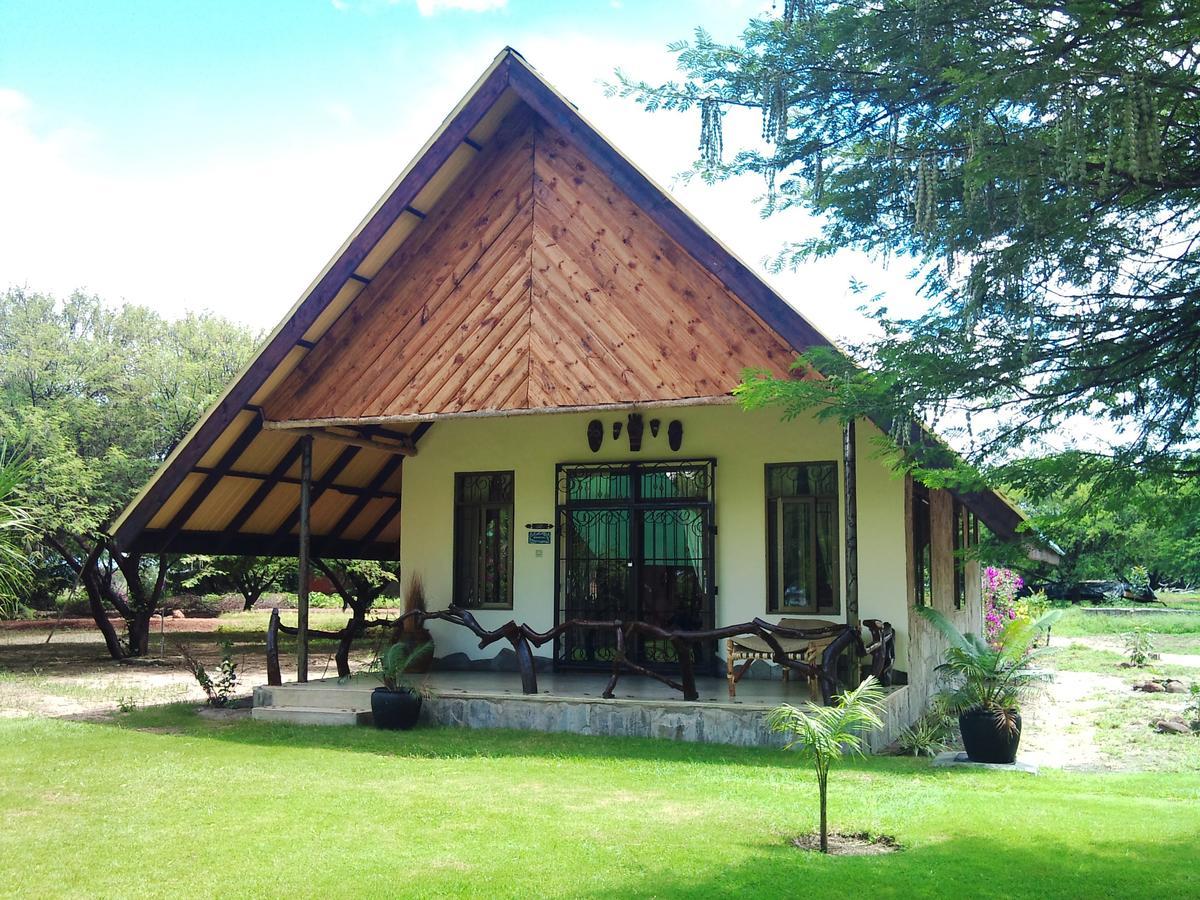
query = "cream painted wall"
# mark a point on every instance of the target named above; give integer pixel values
(741, 442)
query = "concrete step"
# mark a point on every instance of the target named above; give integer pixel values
(314, 696)
(312, 715)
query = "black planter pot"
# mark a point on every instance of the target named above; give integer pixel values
(395, 710)
(987, 739)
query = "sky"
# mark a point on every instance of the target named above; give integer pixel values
(213, 156)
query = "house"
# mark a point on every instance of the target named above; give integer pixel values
(516, 377)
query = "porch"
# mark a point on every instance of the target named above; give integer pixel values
(570, 702)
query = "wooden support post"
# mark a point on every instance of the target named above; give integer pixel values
(850, 473)
(273, 676)
(305, 566)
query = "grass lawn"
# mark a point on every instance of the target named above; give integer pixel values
(161, 801)
(1076, 623)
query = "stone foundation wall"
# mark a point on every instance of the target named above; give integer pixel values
(700, 723)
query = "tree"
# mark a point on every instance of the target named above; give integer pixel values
(15, 531)
(825, 733)
(359, 582)
(1112, 521)
(98, 396)
(250, 576)
(1039, 165)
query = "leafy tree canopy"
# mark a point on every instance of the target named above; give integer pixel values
(99, 395)
(1150, 521)
(1038, 164)
(96, 396)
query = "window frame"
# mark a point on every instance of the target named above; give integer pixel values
(774, 507)
(458, 586)
(966, 538)
(922, 540)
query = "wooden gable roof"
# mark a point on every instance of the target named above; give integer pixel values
(534, 284)
(521, 264)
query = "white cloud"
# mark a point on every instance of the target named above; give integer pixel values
(243, 234)
(240, 235)
(433, 7)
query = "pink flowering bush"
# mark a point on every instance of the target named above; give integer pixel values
(1000, 589)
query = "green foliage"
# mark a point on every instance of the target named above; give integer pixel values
(221, 689)
(1138, 579)
(359, 582)
(395, 663)
(1038, 166)
(931, 733)
(1110, 521)
(1192, 709)
(250, 576)
(16, 529)
(98, 396)
(1139, 646)
(825, 733)
(997, 676)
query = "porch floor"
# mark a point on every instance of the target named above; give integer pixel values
(758, 692)
(566, 701)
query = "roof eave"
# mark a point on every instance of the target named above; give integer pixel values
(187, 453)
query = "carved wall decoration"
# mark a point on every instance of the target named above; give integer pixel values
(595, 434)
(654, 423)
(635, 432)
(616, 430)
(675, 434)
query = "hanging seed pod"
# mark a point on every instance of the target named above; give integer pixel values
(774, 110)
(711, 137)
(1111, 145)
(1151, 140)
(919, 196)
(1131, 144)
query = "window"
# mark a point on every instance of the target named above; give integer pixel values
(483, 540)
(966, 536)
(802, 538)
(922, 533)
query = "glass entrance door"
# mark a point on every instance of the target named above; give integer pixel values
(635, 542)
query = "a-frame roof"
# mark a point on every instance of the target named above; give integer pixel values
(498, 273)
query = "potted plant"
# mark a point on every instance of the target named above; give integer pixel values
(412, 632)
(988, 682)
(397, 703)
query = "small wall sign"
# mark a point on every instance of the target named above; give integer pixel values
(539, 537)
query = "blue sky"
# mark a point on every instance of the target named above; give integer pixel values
(214, 155)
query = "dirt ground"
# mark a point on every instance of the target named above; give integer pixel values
(1095, 721)
(72, 674)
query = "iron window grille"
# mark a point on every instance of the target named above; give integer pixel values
(483, 540)
(803, 562)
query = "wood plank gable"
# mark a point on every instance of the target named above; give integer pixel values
(536, 284)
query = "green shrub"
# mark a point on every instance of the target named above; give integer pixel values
(221, 690)
(1139, 646)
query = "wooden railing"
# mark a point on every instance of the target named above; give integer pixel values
(881, 648)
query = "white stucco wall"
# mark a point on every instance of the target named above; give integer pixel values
(741, 442)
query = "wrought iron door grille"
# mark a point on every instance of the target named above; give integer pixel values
(635, 542)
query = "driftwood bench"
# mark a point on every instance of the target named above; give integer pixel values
(837, 640)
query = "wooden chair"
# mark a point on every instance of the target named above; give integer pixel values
(748, 648)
